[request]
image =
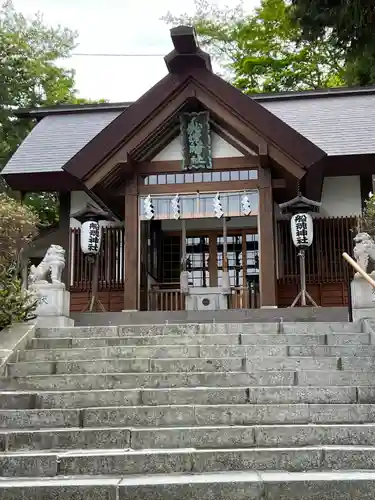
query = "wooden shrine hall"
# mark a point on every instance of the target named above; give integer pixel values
(192, 175)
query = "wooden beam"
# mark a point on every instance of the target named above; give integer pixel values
(131, 251)
(174, 166)
(263, 155)
(148, 129)
(312, 183)
(198, 186)
(235, 123)
(267, 259)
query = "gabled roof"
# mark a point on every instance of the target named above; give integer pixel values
(191, 77)
(55, 140)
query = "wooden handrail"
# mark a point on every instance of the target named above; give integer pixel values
(359, 269)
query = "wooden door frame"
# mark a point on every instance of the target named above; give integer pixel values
(212, 235)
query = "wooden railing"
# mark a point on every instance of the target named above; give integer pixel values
(165, 299)
(172, 300)
(244, 298)
(111, 261)
(324, 264)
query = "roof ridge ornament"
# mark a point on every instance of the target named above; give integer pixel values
(186, 54)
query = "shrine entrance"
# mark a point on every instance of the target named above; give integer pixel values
(205, 250)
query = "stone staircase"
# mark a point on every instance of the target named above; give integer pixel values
(208, 412)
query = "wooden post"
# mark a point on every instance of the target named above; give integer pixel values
(184, 279)
(65, 235)
(131, 253)
(225, 279)
(267, 259)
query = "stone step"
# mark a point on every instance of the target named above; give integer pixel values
(356, 339)
(61, 489)
(160, 340)
(197, 329)
(182, 396)
(321, 327)
(184, 460)
(155, 340)
(194, 351)
(92, 381)
(236, 485)
(144, 365)
(153, 380)
(168, 351)
(186, 329)
(128, 365)
(235, 436)
(188, 415)
(235, 414)
(333, 350)
(249, 485)
(324, 378)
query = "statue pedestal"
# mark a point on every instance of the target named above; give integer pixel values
(363, 298)
(53, 307)
(206, 299)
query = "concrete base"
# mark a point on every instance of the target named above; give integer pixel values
(54, 299)
(206, 299)
(54, 321)
(363, 304)
(309, 314)
(362, 293)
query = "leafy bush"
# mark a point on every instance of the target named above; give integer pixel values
(16, 303)
(18, 226)
(366, 223)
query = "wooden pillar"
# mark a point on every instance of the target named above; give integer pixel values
(212, 259)
(131, 253)
(64, 234)
(266, 230)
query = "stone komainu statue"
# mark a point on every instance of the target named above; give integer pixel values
(364, 252)
(50, 268)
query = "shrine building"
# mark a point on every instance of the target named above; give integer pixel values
(192, 176)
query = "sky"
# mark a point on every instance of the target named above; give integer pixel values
(116, 26)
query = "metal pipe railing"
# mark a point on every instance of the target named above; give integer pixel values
(359, 269)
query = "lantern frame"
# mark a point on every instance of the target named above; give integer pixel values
(91, 214)
(301, 206)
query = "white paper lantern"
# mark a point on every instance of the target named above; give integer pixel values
(302, 230)
(90, 237)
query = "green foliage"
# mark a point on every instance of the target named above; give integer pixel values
(45, 205)
(16, 304)
(351, 25)
(263, 51)
(30, 77)
(18, 225)
(366, 222)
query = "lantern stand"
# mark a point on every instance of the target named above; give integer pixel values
(301, 206)
(91, 236)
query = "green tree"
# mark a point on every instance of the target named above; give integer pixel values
(30, 77)
(351, 27)
(18, 225)
(263, 51)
